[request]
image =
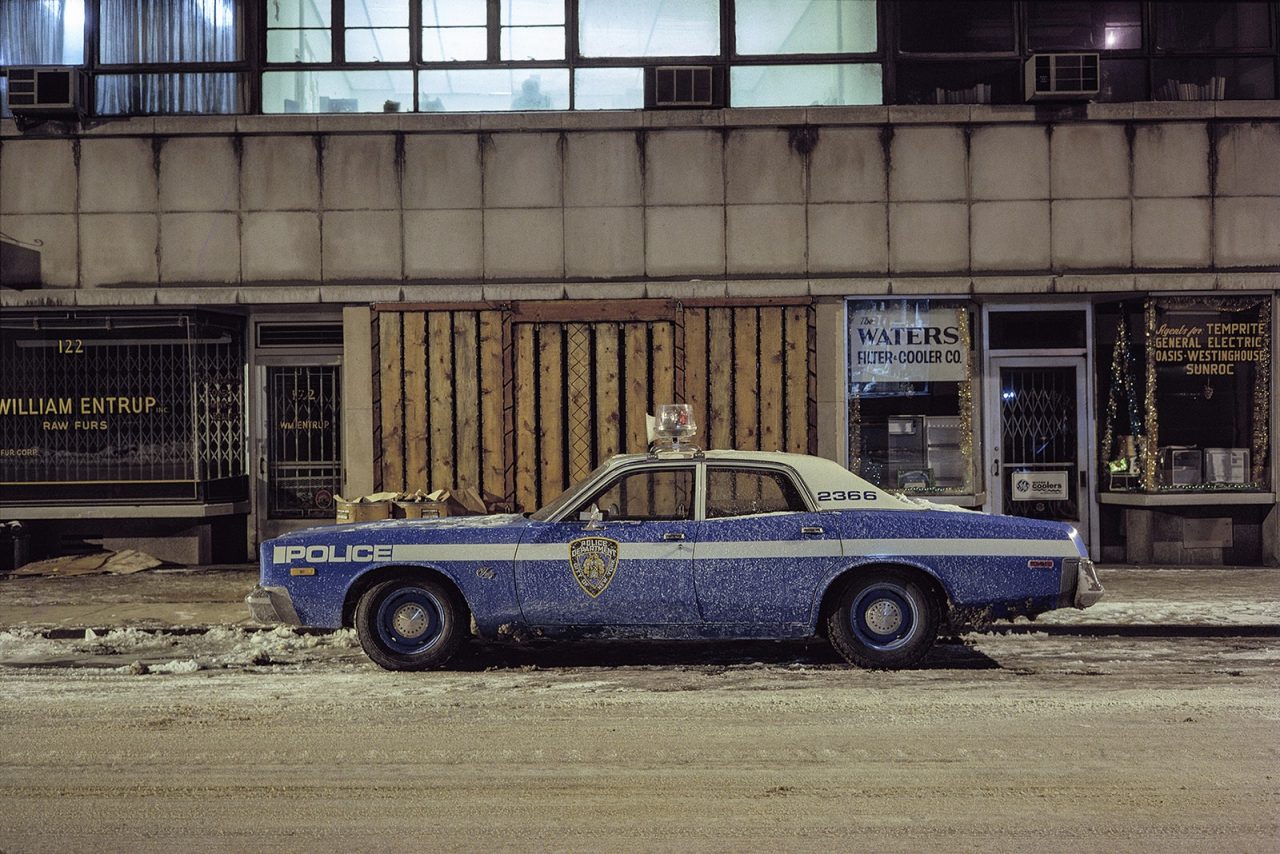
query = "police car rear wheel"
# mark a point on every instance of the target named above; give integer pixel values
(408, 624)
(886, 620)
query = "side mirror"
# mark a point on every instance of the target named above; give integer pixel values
(593, 517)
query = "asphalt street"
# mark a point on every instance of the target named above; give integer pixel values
(145, 712)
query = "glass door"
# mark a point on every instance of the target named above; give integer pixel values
(300, 465)
(1038, 436)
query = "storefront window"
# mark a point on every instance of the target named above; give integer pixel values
(1186, 397)
(122, 407)
(911, 388)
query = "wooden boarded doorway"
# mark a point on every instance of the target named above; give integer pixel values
(523, 399)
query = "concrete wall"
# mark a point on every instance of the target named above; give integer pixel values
(773, 201)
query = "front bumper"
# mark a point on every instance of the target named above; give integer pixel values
(1079, 586)
(271, 605)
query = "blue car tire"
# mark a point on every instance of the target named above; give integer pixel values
(884, 620)
(408, 624)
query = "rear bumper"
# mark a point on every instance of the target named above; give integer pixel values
(1079, 587)
(271, 605)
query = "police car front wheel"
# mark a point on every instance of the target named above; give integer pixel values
(408, 624)
(884, 620)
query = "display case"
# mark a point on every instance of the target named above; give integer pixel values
(1181, 466)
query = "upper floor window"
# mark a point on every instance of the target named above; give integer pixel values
(1084, 26)
(956, 26)
(1192, 26)
(804, 26)
(41, 32)
(648, 28)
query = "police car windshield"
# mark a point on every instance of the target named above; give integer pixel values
(546, 512)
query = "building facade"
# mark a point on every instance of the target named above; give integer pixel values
(214, 324)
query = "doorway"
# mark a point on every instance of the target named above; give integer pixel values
(1037, 412)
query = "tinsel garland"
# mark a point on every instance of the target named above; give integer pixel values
(1148, 451)
(855, 434)
(965, 390)
(1123, 382)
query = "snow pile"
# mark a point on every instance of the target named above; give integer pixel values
(22, 646)
(138, 652)
(1205, 612)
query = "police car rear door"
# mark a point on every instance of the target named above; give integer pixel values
(762, 551)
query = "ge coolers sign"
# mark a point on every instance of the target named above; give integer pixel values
(1038, 486)
(906, 343)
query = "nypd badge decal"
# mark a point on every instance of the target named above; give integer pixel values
(594, 560)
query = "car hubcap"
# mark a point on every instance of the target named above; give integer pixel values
(884, 617)
(410, 621)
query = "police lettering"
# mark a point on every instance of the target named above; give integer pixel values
(331, 554)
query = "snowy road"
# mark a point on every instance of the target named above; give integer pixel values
(241, 740)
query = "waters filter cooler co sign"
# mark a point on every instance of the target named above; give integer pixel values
(906, 344)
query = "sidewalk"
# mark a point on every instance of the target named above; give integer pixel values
(214, 595)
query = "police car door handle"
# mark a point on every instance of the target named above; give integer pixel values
(811, 529)
(673, 535)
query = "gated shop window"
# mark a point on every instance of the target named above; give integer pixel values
(910, 395)
(1185, 394)
(651, 495)
(746, 492)
(102, 408)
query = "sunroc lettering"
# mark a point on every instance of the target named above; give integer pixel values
(330, 554)
(850, 495)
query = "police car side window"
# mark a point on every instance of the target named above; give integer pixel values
(744, 492)
(651, 496)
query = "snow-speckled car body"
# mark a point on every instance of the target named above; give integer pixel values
(731, 545)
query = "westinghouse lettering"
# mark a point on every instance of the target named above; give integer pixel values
(1214, 349)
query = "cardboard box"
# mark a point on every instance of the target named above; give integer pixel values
(366, 508)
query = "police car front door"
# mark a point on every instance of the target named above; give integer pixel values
(634, 566)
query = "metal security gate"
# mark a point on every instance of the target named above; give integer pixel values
(1040, 467)
(304, 447)
(523, 399)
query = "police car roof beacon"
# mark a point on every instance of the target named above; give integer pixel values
(672, 425)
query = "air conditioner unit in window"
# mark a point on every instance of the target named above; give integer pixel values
(45, 90)
(1061, 76)
(676, 86)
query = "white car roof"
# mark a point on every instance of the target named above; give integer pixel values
(832, 485)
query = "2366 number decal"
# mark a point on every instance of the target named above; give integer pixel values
(842, 495)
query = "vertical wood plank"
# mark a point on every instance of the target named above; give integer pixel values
(581, 417)
(663, 390)
(551, 411)
(608, 392)
(771, 388)
(746, 385)
(636, 349)
(416, 441)
(695, 369)
(392, 401)
(663, 381)
(526, 444)
(466, 400)
(720, 378)
(440, 382)
(797, 380)
(492, 450)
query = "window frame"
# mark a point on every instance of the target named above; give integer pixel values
(789, 475)
(591, 495)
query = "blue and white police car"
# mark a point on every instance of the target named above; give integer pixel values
(680, 543)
